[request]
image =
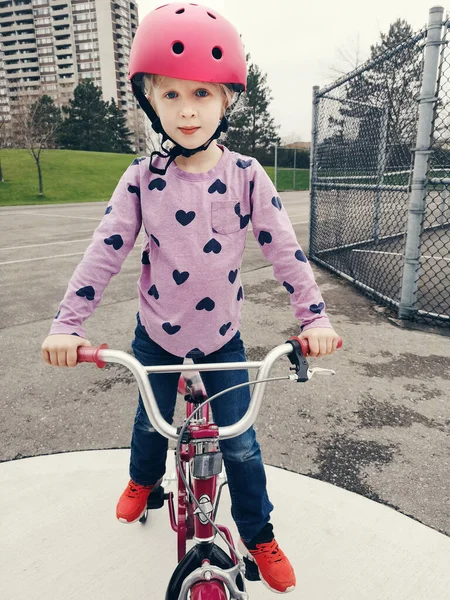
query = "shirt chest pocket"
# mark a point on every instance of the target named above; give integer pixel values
(225, 216)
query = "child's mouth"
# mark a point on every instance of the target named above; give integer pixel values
(188, 130)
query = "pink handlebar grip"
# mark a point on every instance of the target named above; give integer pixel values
(89, 354)
(305, 345)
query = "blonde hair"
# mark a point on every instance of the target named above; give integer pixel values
(154, 81)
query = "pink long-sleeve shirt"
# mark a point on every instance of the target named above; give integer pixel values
(195, 224)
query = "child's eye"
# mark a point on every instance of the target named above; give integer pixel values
(171, 95)
(202, 93)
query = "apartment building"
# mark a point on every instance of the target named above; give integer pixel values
(49, 46)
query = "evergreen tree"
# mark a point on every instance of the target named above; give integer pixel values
(86, 124)
(118, 130)
(252, 130)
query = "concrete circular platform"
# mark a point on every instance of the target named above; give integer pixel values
(60, 540)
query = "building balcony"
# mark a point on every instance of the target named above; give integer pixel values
(57, 23)
(25, 45)
(10, 76)
(21, 27)
(64, 59)
(5, 10)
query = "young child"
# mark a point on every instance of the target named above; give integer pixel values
(195, 203)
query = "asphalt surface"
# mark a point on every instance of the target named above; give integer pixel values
(379, 428)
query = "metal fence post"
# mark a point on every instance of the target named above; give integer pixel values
(381, 167)
(295, 156)
(313, 171)
(417, 202)
(276, 167)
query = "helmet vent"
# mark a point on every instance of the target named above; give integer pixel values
(212, 16)
(180, 11)
(178, 48)
(217, 53)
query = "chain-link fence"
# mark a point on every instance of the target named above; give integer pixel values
(380, 175)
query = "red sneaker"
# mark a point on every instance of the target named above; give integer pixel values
(274, 568)
(133, 502)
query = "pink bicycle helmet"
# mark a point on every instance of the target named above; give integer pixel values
(186, 41)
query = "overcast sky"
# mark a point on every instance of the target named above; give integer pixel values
(296, 43)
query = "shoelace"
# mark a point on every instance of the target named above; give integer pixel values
(270, 550)
(134, 492)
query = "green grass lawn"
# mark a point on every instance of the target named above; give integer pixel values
(75, 176)
(68, 176)
(285, 178)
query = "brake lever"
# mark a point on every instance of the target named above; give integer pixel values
(320, 371)
(301, 367)
(297, 358)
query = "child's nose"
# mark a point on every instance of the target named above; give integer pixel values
(187, 111)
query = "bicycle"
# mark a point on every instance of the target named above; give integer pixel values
(206, 571)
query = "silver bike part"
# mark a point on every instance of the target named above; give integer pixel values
(207, 572)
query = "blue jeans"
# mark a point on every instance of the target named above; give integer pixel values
(250, 505)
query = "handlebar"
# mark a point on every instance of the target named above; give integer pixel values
(102, 354)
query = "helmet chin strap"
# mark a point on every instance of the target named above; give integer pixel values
(177, 149)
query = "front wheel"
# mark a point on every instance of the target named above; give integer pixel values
(208, 590)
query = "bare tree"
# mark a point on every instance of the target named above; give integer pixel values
(291, 138)
(349, 58)
(2, 141)
(35, 124)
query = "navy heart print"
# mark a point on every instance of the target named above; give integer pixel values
(153, 292)
(171, 329)
(212, 246)
(180, 278)
(108, 210)
(224, 328)
(244, 221)
(195, 353)
(252, 185)
(206, 304)
(184, 218)
(299, 255)
(134, 189)
(317, 308)
(289, 287)
(115, 241)
(136, 161)
(244, 164)
(237, 209)
(217, 186)
(155, 239)
(57, 314)
(276, 201)
(240, 294)
(157, 183)
(264, 237)
(87, 292)
(145, 260)
(232, 276)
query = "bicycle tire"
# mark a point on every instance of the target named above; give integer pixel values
(208, 590)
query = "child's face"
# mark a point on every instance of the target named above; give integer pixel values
(190, 111)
